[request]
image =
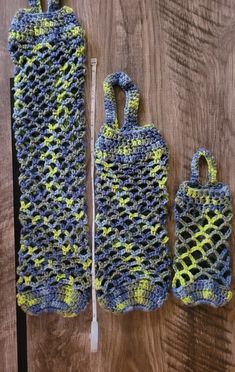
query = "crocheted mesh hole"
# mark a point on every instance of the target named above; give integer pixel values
(203, 226)
(132, 262)
(49, 126)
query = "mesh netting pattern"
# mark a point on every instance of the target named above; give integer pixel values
(132, 261)
(203, 225)
(48, 50)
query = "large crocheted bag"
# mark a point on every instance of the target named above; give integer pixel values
(132, 262)
(48, 50)
(203, 225)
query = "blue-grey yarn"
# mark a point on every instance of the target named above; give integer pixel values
(132, 261)
(202, 263)
(48, 50)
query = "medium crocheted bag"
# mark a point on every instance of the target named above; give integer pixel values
(48, 50)
(132, 262)
(203, 225)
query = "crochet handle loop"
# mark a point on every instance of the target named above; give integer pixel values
(52, 5)
(36, 5)
(211, 164)
(132, 100)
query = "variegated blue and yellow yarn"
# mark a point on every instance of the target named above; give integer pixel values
(203, 225)
(48, 50)
(132, 262)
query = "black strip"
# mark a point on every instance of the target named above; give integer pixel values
(21, 323)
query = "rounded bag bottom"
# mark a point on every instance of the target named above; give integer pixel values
(64, 299)
(207, 292)
(142, 295)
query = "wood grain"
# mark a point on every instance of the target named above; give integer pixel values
(181, 55)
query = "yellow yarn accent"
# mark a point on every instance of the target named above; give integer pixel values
(212, 170)
(69, 315)
(178, 276)
(56, 234)
(60, 276)
(17, 78)
(44, 155)
(186, 300)
(106, 88)
(48, 140)
(136, 142)
(52, 127)
(165, 240)
(68, 294)
(121, 306)
(31, 250)
(116, 244)
(154, 229)
(49, 185)
(135, 268)
(115, 187)
(58, 198)
(97, 283)
(146, 274)
(128, 258)
(162, 182)
(52, 171)
(106, 230)
(35, 219)
(79, 215)
(66, 249)
(155, 170)
(61, 96)
(69, 202)
(47, 23)
(108, 133)
(101, 154)
(207, 294)
(107, 165)
(24, 206)
(133, 215)
(140, 291)
(80, 50)
(20, 280)
(74, 31)
(18, 92)
(128, 246)
(86, 264)
(22, 247)
(71, 280)
(133, 103)
(157, 154)
(27, 279)
(139, 260)
(191, 192)
(50, 263)
(25, 300)
(124, 150)
(38, 261)
(39, 46)
(123, 201)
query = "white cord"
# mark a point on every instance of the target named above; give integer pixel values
(94, 323)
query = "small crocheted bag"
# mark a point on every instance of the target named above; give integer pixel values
(132, 262)
(203, 225)
(48, 50)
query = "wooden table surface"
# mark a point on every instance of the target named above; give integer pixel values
(181, 55)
